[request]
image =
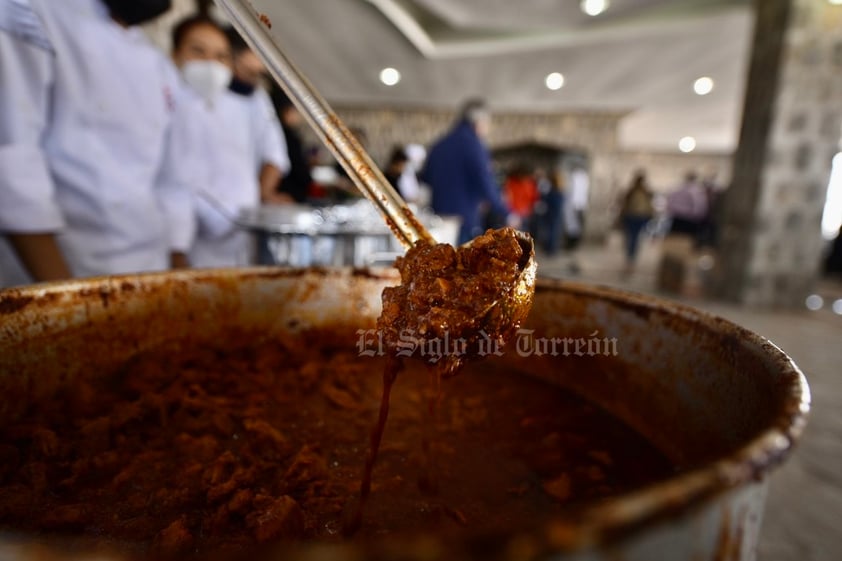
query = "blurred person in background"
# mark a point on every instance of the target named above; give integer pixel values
(709, 227)
(578, 191)
(249, 81)
(409, 185)
(538, 224)
(297, 182)
(459, 171)
(395, 167)
(237, 136)
(92, 182)
(688, 207)
(554, 212)
(575, 210)
(520, 192)
(635, 213)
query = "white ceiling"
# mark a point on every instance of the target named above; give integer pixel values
(640, 56)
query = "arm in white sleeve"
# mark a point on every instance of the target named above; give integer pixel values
(182, 175)
(27, 192)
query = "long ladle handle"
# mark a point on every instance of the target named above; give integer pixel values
(333, 133)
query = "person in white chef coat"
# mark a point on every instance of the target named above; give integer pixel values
(242, 141)
(91, 181)
(249, 82)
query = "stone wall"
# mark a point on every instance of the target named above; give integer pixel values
(385, 127)
(665, 170)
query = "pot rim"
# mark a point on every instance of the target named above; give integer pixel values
(617, 517)
(620, 516)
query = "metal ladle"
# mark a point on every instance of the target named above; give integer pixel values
(254, 27)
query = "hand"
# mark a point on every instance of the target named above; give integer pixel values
(278, 199)
(179, 260)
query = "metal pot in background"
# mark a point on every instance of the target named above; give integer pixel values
(351, 235)
(721, 401)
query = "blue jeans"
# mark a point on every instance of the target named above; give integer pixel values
(633, 226)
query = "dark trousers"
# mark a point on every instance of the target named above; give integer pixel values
(554, 222)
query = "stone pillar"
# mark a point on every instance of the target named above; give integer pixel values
(771, 229)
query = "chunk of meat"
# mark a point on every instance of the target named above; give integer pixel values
(267, 436)
(307, 465)
(221, 469)
(241, 477)
(66, 517)
(174, 538)
(281, 519)
(447, 293)
(44, 441)
(241, 501)
(97, 436)
(205, 448)
(559, 488)
(341, 397)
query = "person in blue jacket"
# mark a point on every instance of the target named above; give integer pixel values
(459, 172)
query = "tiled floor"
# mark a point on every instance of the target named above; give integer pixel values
(803, 520)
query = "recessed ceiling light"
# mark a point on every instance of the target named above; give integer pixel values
(704, 85)
(687, 144)
(837, 305)
(594, 7)
(554, 81)
(390, 76)
(814, 302)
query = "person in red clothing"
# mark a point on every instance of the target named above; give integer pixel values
(521, 193)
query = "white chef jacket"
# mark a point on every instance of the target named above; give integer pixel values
(242, 133)
(87, 146)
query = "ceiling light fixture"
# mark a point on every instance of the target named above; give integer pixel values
(814, 302)
(390, 76)
(703, 85)
(687, 144)
(554, 81)
(835, 2)
(594, 7)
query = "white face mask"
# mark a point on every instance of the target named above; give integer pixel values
(208, 78)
